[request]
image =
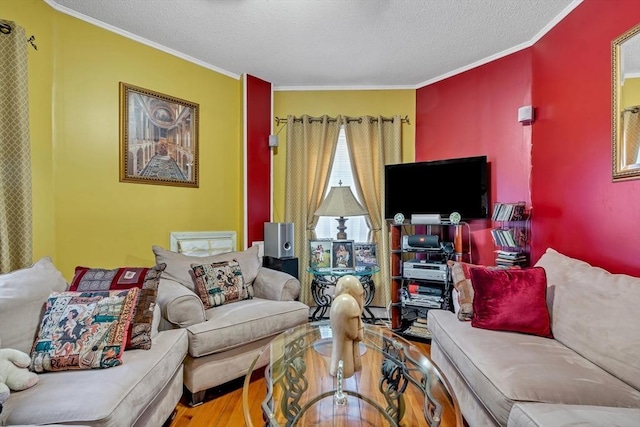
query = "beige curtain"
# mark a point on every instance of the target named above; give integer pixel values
(374, 142)
(311, 146)
(631, 136)
(15, 157)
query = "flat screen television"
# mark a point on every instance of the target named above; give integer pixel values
(438, 187)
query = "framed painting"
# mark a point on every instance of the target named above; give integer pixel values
(320, 254)
(342, 254)
(158, 138)
(366, 255)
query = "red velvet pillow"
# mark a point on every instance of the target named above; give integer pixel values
(511, 300)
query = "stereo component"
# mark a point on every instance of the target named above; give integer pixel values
(420, 241)
(424, 270)
(425, 219)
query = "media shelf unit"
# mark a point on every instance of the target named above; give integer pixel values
(511, 234)
(413, 293)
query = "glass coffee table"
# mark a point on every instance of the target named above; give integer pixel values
(397, 386)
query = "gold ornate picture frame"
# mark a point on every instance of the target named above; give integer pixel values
(158, 138)
(625, 105)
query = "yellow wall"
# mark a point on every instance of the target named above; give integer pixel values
(630, 93)
(350, 103)
(83, 215)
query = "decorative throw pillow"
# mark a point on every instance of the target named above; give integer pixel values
(220, 283)
(179, 265)
(462, 283)
(145, 279)
(511, 300)
(83, 330)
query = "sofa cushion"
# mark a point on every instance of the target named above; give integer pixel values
(233, 325)
(179, 266)
(145, 279)
(219, 283)
(595, 313)
(511, 300)
(101, 397)
(23, 295)
(507, 367)
(83, 330)
(550, 415)
(462, 283)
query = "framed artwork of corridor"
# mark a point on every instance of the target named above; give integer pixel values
(158, 138)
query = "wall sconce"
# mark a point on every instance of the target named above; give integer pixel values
(273, 141)
(525, 115)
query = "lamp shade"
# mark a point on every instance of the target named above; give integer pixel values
(340, 202)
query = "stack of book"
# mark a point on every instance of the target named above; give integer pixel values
(419, 328)
(509, 211)
(513, 237)
(504, 237)
(510, 259)
(424, 296)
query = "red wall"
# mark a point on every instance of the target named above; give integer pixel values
(475, 113)
(258, 182)
(565, 155)
(579, 211)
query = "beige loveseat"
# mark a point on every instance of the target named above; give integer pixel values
(224, 340)
(143, 391)
(587, 375)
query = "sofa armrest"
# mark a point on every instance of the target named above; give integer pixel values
(275, 285)
(179, 305)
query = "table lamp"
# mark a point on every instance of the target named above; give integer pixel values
(340, 202)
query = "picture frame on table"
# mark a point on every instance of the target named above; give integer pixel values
(366, 255)
(320, 254)
(158, 138)
(342, 258)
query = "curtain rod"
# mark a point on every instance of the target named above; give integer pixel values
(6, 29)
(279, 120)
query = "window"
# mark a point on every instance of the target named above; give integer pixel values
(327, 227)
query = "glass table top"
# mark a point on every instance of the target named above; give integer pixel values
(365, 271)
(398, 385)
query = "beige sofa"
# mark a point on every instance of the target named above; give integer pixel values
(143, 391)
(587, 375)
(225, 340)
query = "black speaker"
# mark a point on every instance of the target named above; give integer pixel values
(278, 239)
(424, 241)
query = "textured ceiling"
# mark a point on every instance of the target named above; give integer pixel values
(330, 43)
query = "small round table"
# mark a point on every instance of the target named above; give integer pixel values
(326, 278)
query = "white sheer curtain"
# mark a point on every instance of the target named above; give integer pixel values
(357, 228)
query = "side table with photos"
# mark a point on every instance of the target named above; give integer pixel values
(331, 259)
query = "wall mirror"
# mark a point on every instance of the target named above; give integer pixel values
(625, 55)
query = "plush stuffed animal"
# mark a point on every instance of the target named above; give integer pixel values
(14, 374)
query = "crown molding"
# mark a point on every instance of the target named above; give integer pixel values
(188, 58)
(340, 88)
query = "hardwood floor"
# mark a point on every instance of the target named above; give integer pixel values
(223, 406)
